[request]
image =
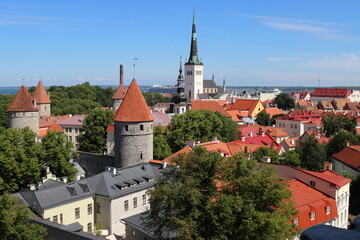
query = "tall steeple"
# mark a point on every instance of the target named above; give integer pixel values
(181, 97)
(193, 58)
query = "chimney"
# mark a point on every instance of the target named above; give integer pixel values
(121, 74)
(347, 143)
(251, 134)
(64, 179)
(327, 165)
(292, 141)
(261, 131)
(32, 187)
(214, 138)
(164, 164)
(266, 159)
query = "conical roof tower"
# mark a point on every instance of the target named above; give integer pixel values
(120, 91)
(42, 99)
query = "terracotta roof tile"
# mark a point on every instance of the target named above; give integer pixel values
(76, 120)
(40, 94)
(46, 121)
(55, 127)
(120, 92)
(22, 102)
(42, 132)
(349, 156)
(244, 105)
(273, 111)
(134, 107)
(209, 105)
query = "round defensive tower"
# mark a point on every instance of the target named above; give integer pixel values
(23, 112)
(42, 100)
(133, 129)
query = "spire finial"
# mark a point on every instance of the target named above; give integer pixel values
(194, 58)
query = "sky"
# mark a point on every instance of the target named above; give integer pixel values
(248, 43)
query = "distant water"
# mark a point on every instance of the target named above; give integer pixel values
(9, 90)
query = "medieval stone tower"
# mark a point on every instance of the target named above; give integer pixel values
(120, 92)
(194, 75)
(133, 133)
(178, 104)
(23, 112)
(42, 100)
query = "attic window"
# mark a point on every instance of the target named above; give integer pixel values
(296, 222)
(121, 186)
(312, 215)
(327, 210)
(148, 178)
(72, 191)
(312, 184)
(139, 180)
(84, 187)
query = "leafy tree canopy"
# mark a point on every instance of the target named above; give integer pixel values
(154, 98)
(5, 101)
(161, 148)
(284, 101)
(58, 153)
(333, 123)
(339, 141)
(200, 125)
(313, 154)
(15, 221)
(207, 196)
(264, 119)
(291, 158)
(266, 152)
(93, 135)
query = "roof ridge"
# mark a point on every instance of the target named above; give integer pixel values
(40, 94)
(22, 102)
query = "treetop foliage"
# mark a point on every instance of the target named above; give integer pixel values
(284, 101)
(333, 123)
(206, 196)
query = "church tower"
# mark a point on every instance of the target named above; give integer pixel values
(23, 112)
(179, 104)
(194, 75)
(120, 92)
(133, 133)
(42, 100)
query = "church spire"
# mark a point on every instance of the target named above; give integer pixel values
(194, 58)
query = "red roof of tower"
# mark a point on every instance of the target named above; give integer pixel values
(40, 94)
(23, 102)
(55, 127)
(120, 92)
(134, 107)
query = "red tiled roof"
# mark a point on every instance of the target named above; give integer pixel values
(244, 104)
(40, 94)
(331, 92)
(288, 142)
(55, 128)
(349, 156)
(42, 132)
(111, 127)
(22, 102)
(307, 200)
(46, 121)
(273, 131)
(272, 111)
(134, 107)
(120, 92)
(76, 120)
(329, 176)
(209, 105)
(161, 119)
(236, 116)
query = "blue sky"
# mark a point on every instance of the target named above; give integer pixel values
(249, 43)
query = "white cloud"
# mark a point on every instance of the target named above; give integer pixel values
(342, 62)
(280, 59)
(298, 27)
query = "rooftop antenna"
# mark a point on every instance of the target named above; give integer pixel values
(135, 58)
(319, 83)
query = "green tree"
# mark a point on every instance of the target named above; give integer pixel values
(339, 141)
(154, 98)
(333, 123)
(19, 158)
(284, 101)
(93, 135)
(161, 148)
(58, 155)
(15, 221)
(200, 125)
(266, 152)
(312, 155)
(5, 101)
(264, 119)
(291, 158)
(207, 196)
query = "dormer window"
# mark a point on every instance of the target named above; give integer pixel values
(296, 222)
(327, 210)
(312, 184)
(312, 215)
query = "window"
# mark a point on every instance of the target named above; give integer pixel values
(133, 232)
(198, 72)
(312, 215)
(89, 207)
(135, 202)
(77, 213)
(296, 222)
(141, 127)
(98, 207)
(312, 184)
(70, 138)
(76, 130)
(327, 210)
(61, 218)
(141, 155)
(126, 128)
(70, 129)
(144, 199)
(291, 125)
(89, 227)
(126, 205)
(188, 72)
(295, 126)
(55, 219)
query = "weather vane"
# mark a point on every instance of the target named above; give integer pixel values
(135, 58)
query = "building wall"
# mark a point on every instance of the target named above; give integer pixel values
(342, 201)
(259, 107)
(293, 128)
(72, 132)
(133, 143)
(68, 213)
(44, 109)
(110, 144)
(194, 80)
(118, 210)
(103, 214)
(116, 103)
(135, 234)
(355, 96)
(94, 163)
(20, 120)
(340, 168)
